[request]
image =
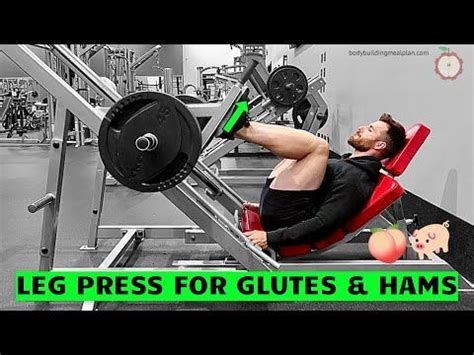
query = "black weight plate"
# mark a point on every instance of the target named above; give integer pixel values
(287, 86)
(165, 117)
(191, 99)
(300, 112)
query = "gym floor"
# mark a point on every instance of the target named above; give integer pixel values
(23, 172)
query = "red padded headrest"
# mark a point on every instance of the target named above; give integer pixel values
(415, 137)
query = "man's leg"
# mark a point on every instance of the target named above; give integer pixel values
(305, 155)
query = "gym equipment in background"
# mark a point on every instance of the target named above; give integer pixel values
(18, 116)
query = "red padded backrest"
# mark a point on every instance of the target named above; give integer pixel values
(415, 136)
(385, 193)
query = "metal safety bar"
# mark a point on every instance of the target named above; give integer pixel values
(41, 203)
(129, 237)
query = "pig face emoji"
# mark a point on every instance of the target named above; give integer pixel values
(430, 239)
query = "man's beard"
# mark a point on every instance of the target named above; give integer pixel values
(358, 143)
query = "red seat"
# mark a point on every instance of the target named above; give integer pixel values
(386, 192)
(250, 218)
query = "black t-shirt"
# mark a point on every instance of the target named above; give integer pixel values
(346, 188)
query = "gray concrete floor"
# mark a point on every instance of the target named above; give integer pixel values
(23, 172)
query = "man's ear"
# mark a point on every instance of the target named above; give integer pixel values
(379, 145)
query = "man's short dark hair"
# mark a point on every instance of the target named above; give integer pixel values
(395, 135)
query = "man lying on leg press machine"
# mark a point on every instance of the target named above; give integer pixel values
(307, 194)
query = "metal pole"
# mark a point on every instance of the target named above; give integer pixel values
(50, 98)
(168, 80)
(97, 206)
(199, 78)
(54, 185)
(77, 132)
